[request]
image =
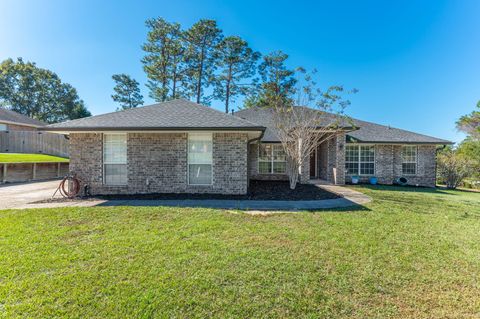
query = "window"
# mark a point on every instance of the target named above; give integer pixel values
(200, 159)
(115, 159)
(3, 127)
(271, 159)
(360, 159)
(409, 160)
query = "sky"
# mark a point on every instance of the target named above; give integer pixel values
(416, 64)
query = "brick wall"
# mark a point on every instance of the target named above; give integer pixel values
(157, 163)
(388, 165)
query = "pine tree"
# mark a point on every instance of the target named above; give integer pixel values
(278, 82)
(127, 92)
(202, 41)
(164, 62)
(237, 63)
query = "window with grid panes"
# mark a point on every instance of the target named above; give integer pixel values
(409, 159)
(360, 159)
(271, 159)
(115, 159)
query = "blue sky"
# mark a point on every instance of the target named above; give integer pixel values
(416, 63)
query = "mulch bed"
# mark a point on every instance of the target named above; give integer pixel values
(280, 190)
(258, 190)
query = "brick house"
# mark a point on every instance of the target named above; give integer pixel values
(13, 121)
(182, 147)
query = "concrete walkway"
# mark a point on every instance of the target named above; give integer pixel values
(22, 196)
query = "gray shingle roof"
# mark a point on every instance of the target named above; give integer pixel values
(177, 114)
(366, 132)
(14, 117)
(263, 116)
(370, 132)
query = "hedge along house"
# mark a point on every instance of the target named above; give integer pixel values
(182, 147)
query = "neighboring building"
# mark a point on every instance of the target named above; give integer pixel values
(182, 147)
(13, 121)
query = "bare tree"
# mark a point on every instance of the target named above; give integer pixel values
(310, 117)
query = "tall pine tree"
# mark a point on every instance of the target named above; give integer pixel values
(202, 41)
(127, 92)
(164, 61)
(278, 82)
(237, 64)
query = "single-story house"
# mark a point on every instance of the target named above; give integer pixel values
(13, 121)
(183, 147)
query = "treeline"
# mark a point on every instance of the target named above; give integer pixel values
(202, 64)
(38, 93)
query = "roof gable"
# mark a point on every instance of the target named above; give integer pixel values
(177, 114)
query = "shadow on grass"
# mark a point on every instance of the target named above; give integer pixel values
(338, 204)
(413, 189)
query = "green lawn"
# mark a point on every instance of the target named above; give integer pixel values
(408, 254)
(18, 157)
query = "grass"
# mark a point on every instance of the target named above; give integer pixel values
(28, 158)
(411, 253)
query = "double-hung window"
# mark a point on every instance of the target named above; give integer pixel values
(360, 159)
(409, 159)
(115, 159)
(200, 158)
(271, 159)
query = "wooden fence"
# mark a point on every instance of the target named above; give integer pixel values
(33, 142)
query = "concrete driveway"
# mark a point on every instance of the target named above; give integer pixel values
(19, 195)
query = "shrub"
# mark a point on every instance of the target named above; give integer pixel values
(453, 168)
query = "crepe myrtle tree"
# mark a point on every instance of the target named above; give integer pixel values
(307, 118)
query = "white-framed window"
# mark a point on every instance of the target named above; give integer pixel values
(3, 127)
(271, 159)
(200, 158)
(360, 159)
(115, 159)
(409, 159)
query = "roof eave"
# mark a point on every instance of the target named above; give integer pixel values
(159, 129)
(21, 124)
(401, 142)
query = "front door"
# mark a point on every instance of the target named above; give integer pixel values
(313, 164)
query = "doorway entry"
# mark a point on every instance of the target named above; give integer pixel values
(313, 164)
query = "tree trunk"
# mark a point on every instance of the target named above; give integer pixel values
(174, 80)
(200, 74)
(227, 92)
(227, 96)
(293, 174)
